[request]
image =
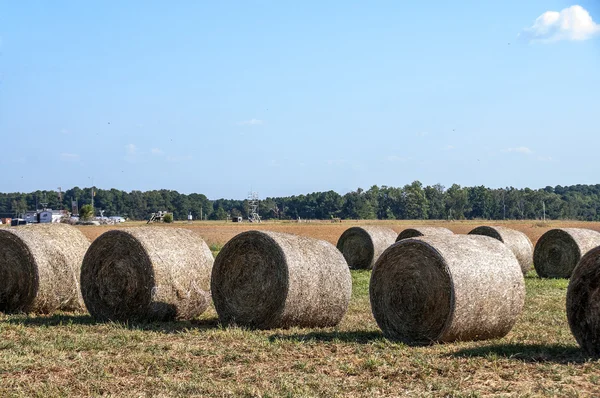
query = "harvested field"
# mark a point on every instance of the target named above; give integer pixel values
(219, 232)
(71, 355)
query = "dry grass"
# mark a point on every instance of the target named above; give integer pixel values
(70, 355)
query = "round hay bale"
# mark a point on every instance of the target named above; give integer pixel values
(446, 288)
(147, 274)
(39, 268)
(558, 251)
(423, 231)
(266, 280)
(362, 246)
(583, 302)
(516, 241)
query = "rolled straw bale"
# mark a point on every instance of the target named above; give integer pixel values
(39, 268)
(423, 231)
(516, 241)
(583, 302)
(147, 274)
(558, 251)
(362, 246)
(446, 288)
(265, 280)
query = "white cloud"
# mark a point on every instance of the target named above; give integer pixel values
(572, 23)
(449, 147)
(131, 149)
(69, 157)
(520, 149)
(156, 151)
(336, 162)
(131, 153)
(251, 122)
(65, 131)
(422, 133)
(545, 158)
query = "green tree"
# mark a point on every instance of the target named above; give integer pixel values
(168, 218)
(86, 212)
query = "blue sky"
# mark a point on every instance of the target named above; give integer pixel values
(223, 97)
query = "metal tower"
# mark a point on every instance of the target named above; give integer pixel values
(253, 207)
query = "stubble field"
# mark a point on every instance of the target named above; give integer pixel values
(71, 355)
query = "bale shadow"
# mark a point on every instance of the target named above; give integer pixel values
(528, 353)
(360, 337)
(87, 320)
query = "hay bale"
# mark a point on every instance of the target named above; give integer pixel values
(516, 241)
(583, 302)
(446, 288)
(265, 280)
(558, 251)
(39, 268)
(423, 231)
(362, 246)
(147, 274)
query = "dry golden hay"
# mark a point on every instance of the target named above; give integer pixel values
(516, 241)
(446, 288)
(558, 251)
(265, 280)
(583, 302)
(423, 231)
(362, 246)
(147, 274)
(39, 268)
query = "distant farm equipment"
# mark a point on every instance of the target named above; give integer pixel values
(159, 216)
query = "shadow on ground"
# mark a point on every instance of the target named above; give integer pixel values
(85, 319)
(530, 353)
(346, 337)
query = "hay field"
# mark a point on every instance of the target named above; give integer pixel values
(71, 355)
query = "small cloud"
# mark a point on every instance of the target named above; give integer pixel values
(69, 157)
(423, 134)
(65, 131)
(545, 158)
(156, 151)
(572, 23)
(336, 162)
(251, 122)
(520, 149)
(131, 149)
(449, 147)
(396, 159)
(131, 153)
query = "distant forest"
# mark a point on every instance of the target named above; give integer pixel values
(413, 201)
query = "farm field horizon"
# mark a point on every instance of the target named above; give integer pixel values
(219, 232)
(70, 354)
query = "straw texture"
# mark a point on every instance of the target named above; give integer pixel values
(515, 240)
(147, 274)
(362, 246)
(266, 280)
(423, 231)
(447, 288)
(583, 303)
(558, 251)
(39, 268)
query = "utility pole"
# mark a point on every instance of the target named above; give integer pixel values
(544, 206)
(92, 178)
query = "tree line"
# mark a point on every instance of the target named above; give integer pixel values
(413, 201)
